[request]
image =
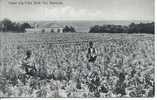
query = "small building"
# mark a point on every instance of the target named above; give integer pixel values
(46, 28)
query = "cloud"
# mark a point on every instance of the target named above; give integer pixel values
(70, 13)
(53, 13)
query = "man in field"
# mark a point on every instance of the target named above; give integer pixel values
(91, 54)
(28, 65)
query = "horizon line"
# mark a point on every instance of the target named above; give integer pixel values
(81, 20)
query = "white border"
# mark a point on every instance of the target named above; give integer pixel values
(154, 98)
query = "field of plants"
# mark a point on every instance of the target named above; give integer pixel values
(124, 66)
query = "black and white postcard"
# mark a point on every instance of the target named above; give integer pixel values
(77, 49)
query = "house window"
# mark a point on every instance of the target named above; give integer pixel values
(52, 30)
(58, 30)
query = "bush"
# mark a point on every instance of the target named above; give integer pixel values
(132, 28)
(69, 29)
(7, 25)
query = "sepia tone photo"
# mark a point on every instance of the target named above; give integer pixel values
(77, 49)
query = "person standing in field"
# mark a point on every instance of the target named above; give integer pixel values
(28, 64)
(91, 54)
(27, 68)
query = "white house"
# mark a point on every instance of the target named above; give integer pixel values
(2, 27)
(46, 28)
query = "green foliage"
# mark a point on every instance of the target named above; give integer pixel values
(7, 25)
(24, 26)
(69, 29)
(123, 68)
(132, 28)
(141, 28)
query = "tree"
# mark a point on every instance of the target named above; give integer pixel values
(95, 29)
(132, 28)
(69, 29)
(141, 28)
(107, 29)
(24, 26)
(8, 25)
(72, 29)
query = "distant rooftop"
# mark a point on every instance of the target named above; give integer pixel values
(50, 25)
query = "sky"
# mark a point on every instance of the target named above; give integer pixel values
(78, 10)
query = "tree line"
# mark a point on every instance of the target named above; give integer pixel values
(7, 25)
(131, 28)
(69, 29)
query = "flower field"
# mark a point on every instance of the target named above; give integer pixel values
(124, 66)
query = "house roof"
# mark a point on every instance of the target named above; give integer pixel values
(50, 25)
